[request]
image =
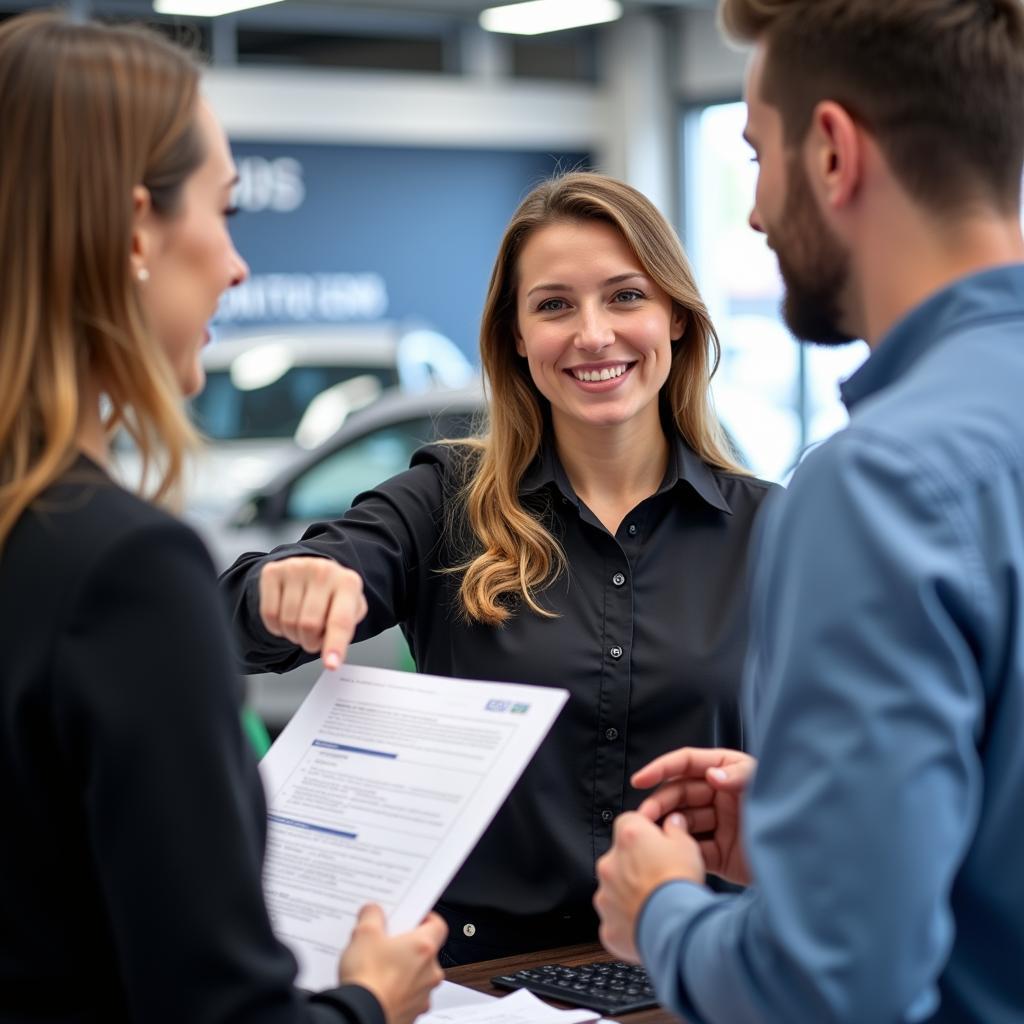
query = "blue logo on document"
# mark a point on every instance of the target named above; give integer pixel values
(507, 705)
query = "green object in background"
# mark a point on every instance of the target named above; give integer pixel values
(254, 728)
(405, 660)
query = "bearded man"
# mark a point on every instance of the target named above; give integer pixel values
(881, 829)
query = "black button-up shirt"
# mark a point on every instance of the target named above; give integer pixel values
(649, 642)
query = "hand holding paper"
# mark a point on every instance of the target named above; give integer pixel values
(378, 789)
(400, 971)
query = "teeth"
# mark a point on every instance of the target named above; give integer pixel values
(604, 374)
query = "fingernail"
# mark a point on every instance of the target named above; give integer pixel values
(332, 660)
(676, 821)
(718, 774)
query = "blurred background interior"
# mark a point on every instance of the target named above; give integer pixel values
(382, 146)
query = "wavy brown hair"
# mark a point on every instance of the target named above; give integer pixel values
(89, 112)
(517, 555)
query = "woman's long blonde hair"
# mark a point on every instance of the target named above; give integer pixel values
(516, 554)
(88, 113)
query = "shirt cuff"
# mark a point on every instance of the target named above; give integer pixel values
(358, 1004)
(662, 930)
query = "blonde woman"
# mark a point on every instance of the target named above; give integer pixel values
(595, 538)
(134, 822)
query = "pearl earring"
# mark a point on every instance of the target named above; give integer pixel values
(143, 275)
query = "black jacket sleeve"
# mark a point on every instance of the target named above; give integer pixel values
(389, 536)
(148, 715)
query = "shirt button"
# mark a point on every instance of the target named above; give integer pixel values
(632, 529)
(618, 579)
(469, 930)
(607, 816)
(611, 734)
(616, 652)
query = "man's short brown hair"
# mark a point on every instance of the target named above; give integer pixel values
(939, 84)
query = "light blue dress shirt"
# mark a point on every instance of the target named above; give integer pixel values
(885, 693)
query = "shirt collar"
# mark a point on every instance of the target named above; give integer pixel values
(979, 296)
(544, 469)
(684, 466)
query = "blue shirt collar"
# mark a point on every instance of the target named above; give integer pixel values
(980, 296)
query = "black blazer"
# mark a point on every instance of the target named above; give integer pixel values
(132, 813)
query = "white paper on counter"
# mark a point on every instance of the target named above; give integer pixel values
(449, 996)
(521, 1007)
(378, 789)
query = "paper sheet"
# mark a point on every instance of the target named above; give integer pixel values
(521, 1007)
(377, 791)
(451, 1000)
(449, 996)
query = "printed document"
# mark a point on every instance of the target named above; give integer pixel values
(378, 789)
(520, 1007)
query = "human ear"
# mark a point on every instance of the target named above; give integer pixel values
(143, 232)
(835, 154)
(678, 324)
(520, 344)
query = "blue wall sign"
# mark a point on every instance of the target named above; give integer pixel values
(359, 233)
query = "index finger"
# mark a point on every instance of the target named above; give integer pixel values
(348, 607)
(676, 795)
(687, 762)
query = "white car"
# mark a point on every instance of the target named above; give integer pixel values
(271, 396)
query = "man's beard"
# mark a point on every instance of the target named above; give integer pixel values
(814, 266)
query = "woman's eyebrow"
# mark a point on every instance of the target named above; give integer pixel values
(555, 287)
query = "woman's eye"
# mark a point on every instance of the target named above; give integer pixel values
(551, 306)
(629, 295)
(231, 211)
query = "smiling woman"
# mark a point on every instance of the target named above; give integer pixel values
(186, 262)
(595, 538)
(561, 286)
(608, 331)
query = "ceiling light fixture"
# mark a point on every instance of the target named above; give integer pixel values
(537, 16)
(207, 8)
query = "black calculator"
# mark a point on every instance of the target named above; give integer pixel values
(609, 988)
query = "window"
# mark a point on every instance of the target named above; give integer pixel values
(775, 396)
(226, 412)
(330, 487)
